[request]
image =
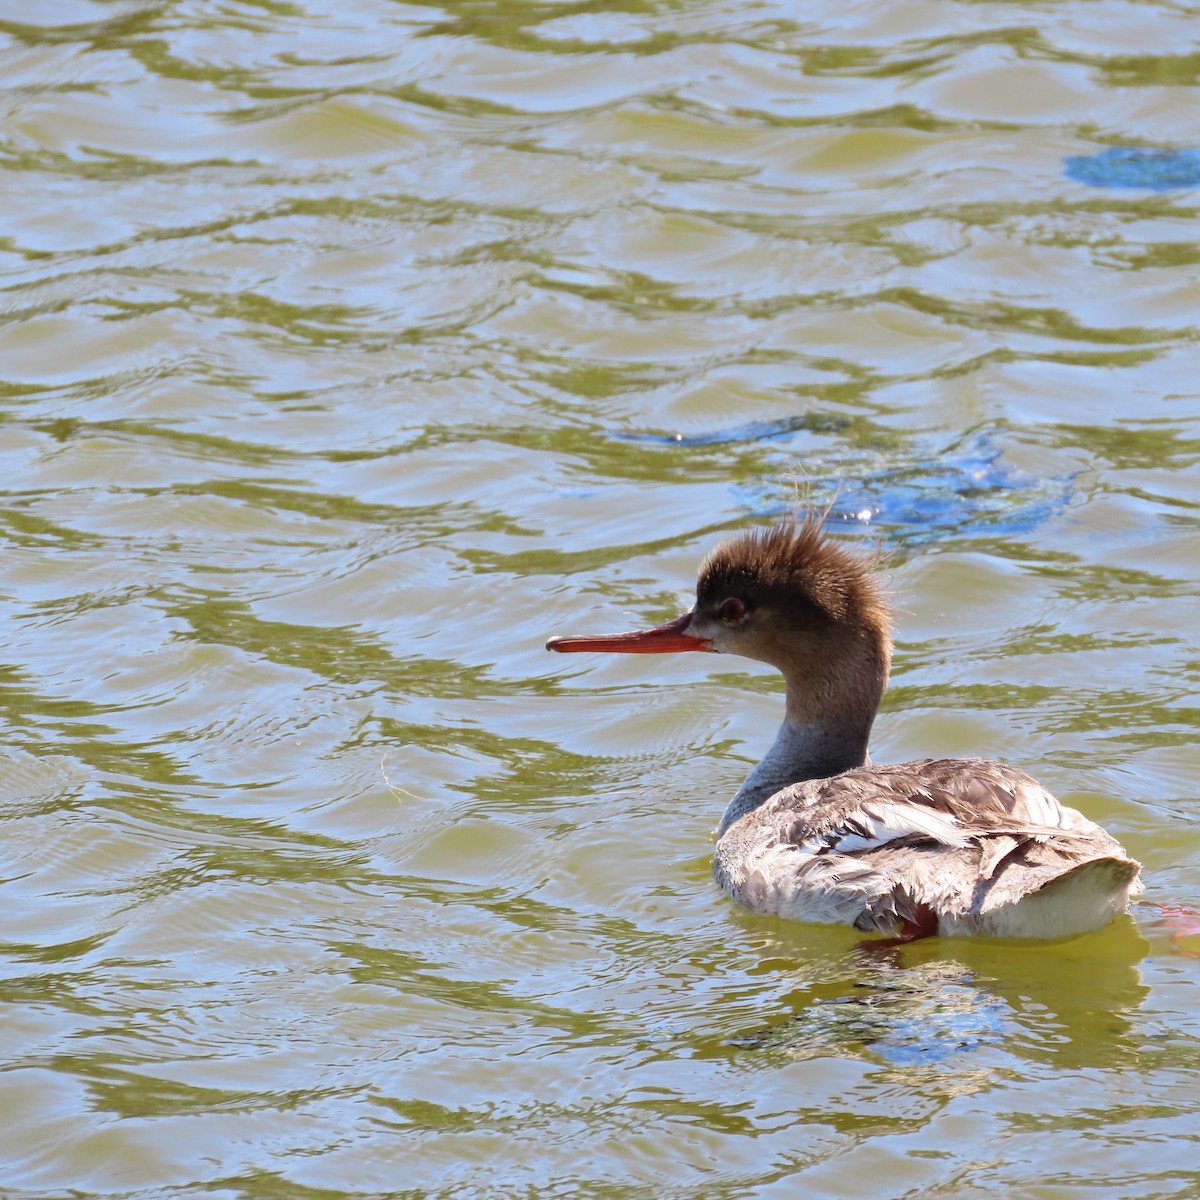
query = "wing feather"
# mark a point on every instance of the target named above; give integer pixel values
(877, 846)
(951, 801)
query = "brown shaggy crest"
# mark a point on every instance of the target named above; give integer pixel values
(800, 560)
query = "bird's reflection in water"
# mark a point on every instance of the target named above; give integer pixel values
(1070, 1002)
(921, 1014)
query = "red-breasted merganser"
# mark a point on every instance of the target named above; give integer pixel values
(819, 833)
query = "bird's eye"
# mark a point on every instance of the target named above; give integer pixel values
(732, 611)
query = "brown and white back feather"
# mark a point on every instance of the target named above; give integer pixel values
(970, 839)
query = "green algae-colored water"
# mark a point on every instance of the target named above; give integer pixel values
(346, 353)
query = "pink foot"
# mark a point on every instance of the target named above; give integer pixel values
(924, 924)
(1182, 922)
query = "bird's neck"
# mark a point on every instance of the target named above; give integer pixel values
(806, 747)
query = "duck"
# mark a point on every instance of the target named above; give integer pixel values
(818, 832)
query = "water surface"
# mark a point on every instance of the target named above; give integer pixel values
(349, 351)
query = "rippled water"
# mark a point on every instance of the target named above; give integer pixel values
(349, 351)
